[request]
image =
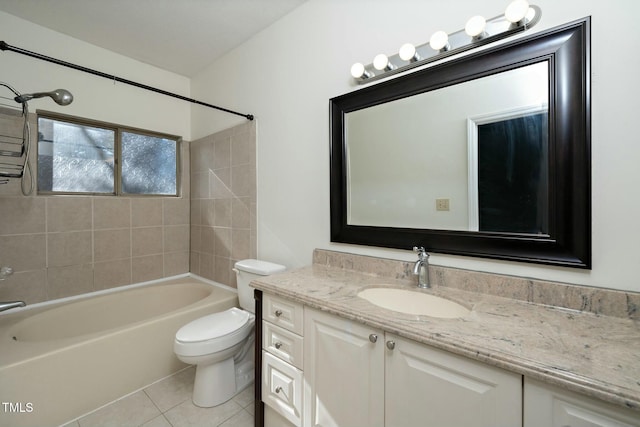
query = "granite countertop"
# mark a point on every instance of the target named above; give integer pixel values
(595, 355)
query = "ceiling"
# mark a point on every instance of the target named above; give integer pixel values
(182, 36)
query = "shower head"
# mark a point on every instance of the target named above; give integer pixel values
(60, 96)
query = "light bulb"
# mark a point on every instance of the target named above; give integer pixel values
(358, 71)
(381, 62)
(439, 41)
(408, 53)
(516, 11)
(475, 26)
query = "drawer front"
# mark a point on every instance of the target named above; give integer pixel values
(282, 343)
(282, 388)
(283, 313)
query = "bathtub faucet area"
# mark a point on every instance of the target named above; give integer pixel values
(11, 304)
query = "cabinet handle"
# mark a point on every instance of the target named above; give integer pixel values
(373, 338)
(391, 345)
(278, 345)
(278, 313)
(278, 389)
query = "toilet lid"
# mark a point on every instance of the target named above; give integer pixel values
(213, 326)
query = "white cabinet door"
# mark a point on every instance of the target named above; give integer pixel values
(429, 387)
(344, 372)
(549, 406)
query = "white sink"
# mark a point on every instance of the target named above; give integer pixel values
(411, 302)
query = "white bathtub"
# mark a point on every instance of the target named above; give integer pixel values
(60, 361)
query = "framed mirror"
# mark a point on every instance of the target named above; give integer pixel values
(485, 155)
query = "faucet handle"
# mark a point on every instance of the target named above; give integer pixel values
(422, 254)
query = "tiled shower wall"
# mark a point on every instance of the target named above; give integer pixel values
(60, 246)
(223, 202)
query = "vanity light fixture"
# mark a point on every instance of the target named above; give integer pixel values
(519, 16)
(516, 11)
(409, 53)
(381, 63)
(440, 41)
(358, 71)
(475, 27)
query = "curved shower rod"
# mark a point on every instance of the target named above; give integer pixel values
(6, 46)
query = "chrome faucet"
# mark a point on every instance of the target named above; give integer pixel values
(421, 268)
(11, 304)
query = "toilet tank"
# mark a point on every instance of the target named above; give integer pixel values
(248, 270)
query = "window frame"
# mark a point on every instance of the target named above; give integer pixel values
(117, 148)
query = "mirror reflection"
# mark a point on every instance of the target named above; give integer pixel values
(471, 156)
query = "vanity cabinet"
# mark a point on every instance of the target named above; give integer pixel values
(356, 375)
(282, 344)
(344, 376)
(546, 405)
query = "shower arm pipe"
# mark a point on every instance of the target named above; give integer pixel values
(5, 46)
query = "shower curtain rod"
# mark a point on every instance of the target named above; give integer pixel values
(6, 46)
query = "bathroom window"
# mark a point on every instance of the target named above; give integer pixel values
(84, 157)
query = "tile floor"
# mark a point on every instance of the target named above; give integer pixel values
(167, 403)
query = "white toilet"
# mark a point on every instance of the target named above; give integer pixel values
(221, 344)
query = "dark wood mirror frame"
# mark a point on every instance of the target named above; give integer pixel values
(567, 50)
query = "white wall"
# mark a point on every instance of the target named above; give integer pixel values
(94, 97)
(286, 75)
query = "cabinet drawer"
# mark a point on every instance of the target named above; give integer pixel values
(282, 343)
(284, 313)
(282, 388)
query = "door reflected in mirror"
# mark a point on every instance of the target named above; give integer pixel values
(480, 146)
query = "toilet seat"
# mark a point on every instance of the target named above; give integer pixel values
(213, 333)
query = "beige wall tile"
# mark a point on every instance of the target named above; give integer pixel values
(147, 268)
(201, 154)
(21, 215)
(28, 286)
(110, 274)
(194, 263)
(146, 241)
(241, 149)
(146, 212)
(111, 212)
(112, 244)
(208, 213)
(23, 252)
(207, 266)
(243, 181)
(240, 213)
(196, 217)
(196, 238)
(185, 169)
(71, 248)
(220, 184)
(200, 185)
(68, 213)
(222, 153)
(67, 281)
(207, 240)
(176, 238)
(222, 208)
(222, 272)
(222, 242)
(176, 211)
(176, 263)
(241, 240)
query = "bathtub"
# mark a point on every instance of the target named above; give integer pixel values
(60, 361)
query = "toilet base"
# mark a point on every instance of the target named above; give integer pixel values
(214, 384)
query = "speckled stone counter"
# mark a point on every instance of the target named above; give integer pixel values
(596, 355)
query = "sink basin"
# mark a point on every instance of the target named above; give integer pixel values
(411, 302)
